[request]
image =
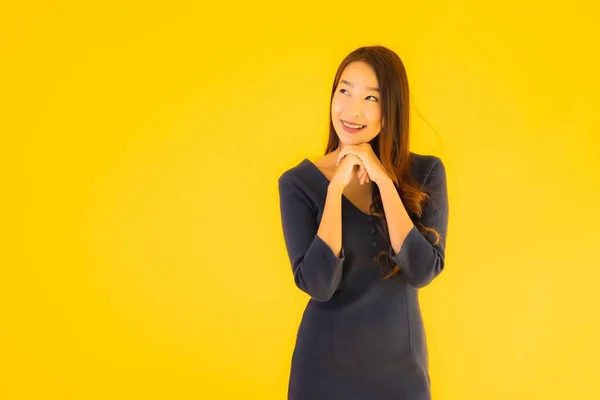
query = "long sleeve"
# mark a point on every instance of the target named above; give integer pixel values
(316, 268)
(420, 261)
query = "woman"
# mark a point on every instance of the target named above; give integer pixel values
(365, 227)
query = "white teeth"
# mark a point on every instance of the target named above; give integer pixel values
(353, 126)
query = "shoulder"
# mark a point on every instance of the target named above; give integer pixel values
(302, 182)
(296, 174)
(426, 166)
(423, 161)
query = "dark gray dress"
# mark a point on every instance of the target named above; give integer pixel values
(361, 337)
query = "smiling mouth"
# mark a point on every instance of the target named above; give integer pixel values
(352, 126)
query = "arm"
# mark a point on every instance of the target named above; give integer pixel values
(316, 253)
(419, 260)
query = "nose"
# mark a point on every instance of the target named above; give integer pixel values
(355, 110)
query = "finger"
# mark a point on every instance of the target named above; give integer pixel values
(362, 171)
(346, 151)
(365, 174)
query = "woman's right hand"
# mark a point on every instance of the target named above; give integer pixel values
(349, 166)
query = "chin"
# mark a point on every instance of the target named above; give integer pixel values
(351, 141)
(348, 138)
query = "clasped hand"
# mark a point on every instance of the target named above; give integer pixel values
(371, 169)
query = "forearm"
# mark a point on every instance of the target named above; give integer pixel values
(419, 259)
(330, 228)
(398, 221)
(317, 268)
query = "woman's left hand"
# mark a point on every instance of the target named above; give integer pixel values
(373, 167)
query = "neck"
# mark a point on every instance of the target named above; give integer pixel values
(339, 148)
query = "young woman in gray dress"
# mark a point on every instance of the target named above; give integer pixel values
(365, 228)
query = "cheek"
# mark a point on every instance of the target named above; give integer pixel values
(373, 115)
(336, 108)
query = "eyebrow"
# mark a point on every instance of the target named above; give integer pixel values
(352, 85)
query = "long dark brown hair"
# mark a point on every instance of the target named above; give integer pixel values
(391, 145)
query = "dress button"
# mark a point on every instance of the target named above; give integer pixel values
(374, 244)
(375, 258)
(370, 218)
(373, 230)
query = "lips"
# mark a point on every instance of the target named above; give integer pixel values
(352, 128)
(352, 125)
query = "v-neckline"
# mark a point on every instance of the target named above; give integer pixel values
(343, 195)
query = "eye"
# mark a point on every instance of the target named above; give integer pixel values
(375, 98)
(343, 90)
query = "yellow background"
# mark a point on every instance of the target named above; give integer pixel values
(142, 256)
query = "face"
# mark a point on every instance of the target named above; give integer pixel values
(356, 107)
